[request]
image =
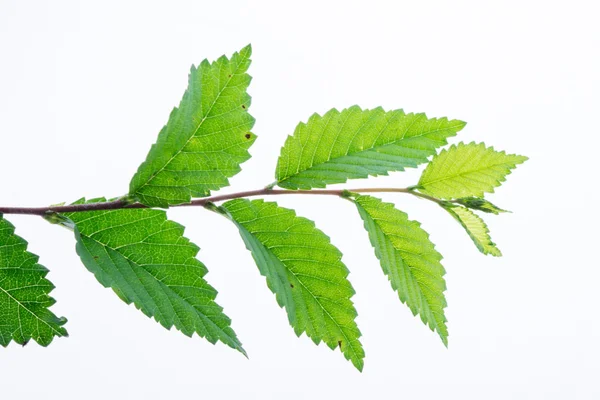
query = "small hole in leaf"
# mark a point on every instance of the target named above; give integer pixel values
(229, 76)
(292, 286)
(243, 106)
(96, 257)
(340, 344)
(248, 136)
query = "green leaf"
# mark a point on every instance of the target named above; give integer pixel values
(24, 294)
(304, 270)
(476, 228)
(206, 138)
(356, 143)
(477, 203)
(409, 260)
(147, 261)
(467, 170)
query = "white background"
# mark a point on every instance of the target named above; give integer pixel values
(85, 87)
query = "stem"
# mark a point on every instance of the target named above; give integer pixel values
(123, 203)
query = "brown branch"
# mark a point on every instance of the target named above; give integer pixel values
(123, 203)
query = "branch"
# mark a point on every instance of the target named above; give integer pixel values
(125, 203)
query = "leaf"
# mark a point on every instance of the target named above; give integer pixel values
(24, 294)
(356, 143)
(409, 260)
(476, 228)
(304, 270)
(147, 261)
(206, 138)
(477, 203)
(467, 170)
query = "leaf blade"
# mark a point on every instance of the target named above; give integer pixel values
(476, 228)
(466, 170)
(206, 138)
(356, 143)
(24, 294)
(304, 270)
(147, 261)
(408, 258)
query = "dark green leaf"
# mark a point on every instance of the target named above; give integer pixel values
(147, 261)
(24, 293)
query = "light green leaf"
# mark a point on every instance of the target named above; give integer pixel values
(206, 138)
(409, 259)
(356, 143)
(477, 203)
(24, 294)
(476, 228)
(147, 261)
(304, 270)
(467, 170)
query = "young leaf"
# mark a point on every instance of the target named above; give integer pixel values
(206, 138)
(467, 170)
(409, 259)
(147, 261)
(24, 294)
(304, 270)
(356, 143)
(477, 203)
(476, 228)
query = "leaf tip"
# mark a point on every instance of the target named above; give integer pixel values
(246, 51)
(358, 362)
(242, 350)
(444, 340)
